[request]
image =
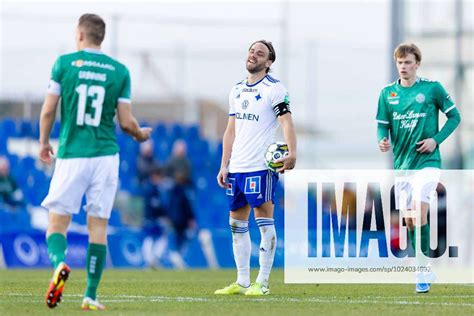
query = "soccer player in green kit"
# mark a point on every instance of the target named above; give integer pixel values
(408, 111)
(93, 87)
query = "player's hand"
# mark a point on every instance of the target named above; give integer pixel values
(46, 152)
(143, 134)
(289, 163)
(426, 146)
(222, 178)
(384, 145)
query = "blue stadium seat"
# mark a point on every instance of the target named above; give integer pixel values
(3, 144)
(56, 129)
(159, 132)
(176, 131)
(162, 150)
(192, 133)
(27, 163)
(35, 129)
(25, 129)
(8, 128)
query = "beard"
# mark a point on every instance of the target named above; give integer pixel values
(255, 68)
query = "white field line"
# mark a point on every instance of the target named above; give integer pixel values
(394, 300)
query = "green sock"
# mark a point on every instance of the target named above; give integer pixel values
(425, 239)
(57, 245)
(96, 254)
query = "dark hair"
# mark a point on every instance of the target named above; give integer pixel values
(93, 26)
(404, 49)
(271, 54)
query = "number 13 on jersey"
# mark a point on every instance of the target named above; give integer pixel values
(97, 93)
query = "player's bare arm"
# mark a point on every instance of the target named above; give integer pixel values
(289, 134)
(227, 142)
(47, 116)
(130, 124)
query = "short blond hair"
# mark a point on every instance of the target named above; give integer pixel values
(404, 49)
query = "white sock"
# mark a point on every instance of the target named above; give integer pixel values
(267, 248)
(241, 246)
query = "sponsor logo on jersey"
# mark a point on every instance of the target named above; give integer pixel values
(252, 185)
(408, 120)
(77, 63)
(249, 90)
(258, 97)
(247, 116)
(393, 98)
(90, 63)
(287, 99)
(420, 98)
(245, 104)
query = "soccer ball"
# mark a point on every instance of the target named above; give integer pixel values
(274, 152)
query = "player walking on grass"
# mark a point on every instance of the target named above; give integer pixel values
(257, 104)
(92, 87)
(408, 111)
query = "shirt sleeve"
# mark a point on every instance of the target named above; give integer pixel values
(443, 99)
(279, 95)
(54, 86)
(280, 100)
(382, 118)
(447, 106)
(382, 111)
(231, 102)
(125, 92)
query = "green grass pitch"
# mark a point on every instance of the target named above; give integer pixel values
(190, 292)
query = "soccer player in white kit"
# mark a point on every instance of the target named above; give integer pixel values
(257, 105)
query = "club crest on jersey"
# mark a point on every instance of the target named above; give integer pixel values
(245, 104)
(252, 185)
(258, 97)
(420, 98)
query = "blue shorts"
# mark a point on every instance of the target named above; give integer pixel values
(253, 188)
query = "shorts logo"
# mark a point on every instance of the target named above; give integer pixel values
(252, 185)
(230, 189)
(420, 98)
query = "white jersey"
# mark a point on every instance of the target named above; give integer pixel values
(255, 121)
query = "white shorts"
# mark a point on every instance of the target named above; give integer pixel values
(415, 187)
(95, 177)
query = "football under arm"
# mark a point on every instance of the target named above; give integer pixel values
(228, 141)
(454, 118)
(47, 116)
(289, 133)
(128, 123)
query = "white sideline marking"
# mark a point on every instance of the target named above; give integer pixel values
(327, 297)
(142, 298)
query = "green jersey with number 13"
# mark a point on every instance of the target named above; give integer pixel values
(90, 84)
